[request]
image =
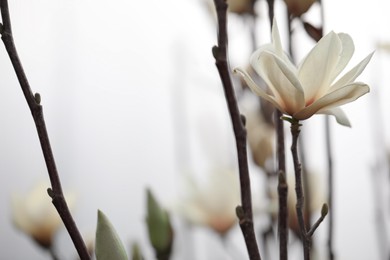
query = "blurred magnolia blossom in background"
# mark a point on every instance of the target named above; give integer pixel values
(261, 134)
(384, 46)
(309, 88)
(34, 214)
(241, 7)
(298, 7)
(212, 203)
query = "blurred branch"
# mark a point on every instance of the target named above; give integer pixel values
(33, 102)
(244, 212)
(283, 216)
(281, 158)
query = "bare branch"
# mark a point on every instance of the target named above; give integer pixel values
(33, 101)
(244, 212)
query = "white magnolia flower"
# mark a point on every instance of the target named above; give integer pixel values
(35, 215)
(311, 88)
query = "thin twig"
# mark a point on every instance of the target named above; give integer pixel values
(306, 240)
(33, 102)
(324, 212)
(244, 212)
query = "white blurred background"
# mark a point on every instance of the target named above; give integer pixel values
(132, 99)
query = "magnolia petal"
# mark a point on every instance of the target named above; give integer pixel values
(315, 70)
(339, 114)
(281, 79)
(297, 94)
(336, 98)
(351, 75)
(277, 43)
(275, 47)
(348, 49)
(20, 217)
(276, 38)
(254, 59)
(258, 90)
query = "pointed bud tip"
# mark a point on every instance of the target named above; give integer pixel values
(324, 210)
(215, 51)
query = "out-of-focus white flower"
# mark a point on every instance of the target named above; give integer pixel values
(311, 88)
(234, 6)
(298, 7)
(261, 135)
(35, 215)
(241, 6)
(214, 203)
(385, 46)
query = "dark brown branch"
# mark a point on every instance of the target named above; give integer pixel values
(33, 102)
(244, 212)
(306, 241)
(283, 216)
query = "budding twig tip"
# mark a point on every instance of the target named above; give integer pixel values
(215, 51)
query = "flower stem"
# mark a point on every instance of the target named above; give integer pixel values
(330, 186)
(244, 212)
(33, 102)
(306, 239)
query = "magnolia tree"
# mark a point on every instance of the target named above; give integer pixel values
(287, 93)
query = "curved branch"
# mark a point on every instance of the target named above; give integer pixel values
(33, 101)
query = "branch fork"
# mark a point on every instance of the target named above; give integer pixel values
(306, 235)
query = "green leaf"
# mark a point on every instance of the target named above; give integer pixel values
(108, 245)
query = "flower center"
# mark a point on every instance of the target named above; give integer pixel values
(309, 102)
